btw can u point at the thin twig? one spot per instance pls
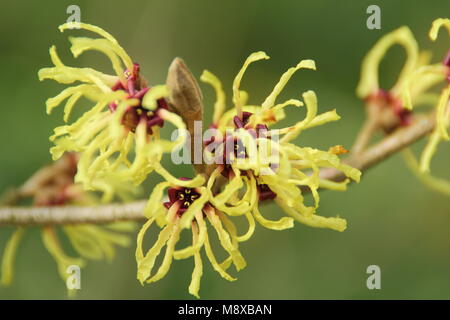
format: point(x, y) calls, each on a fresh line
point(71, 214)
point(391, 144)
point(364, 136)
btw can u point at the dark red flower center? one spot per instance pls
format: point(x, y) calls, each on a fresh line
point(182, 197)
point(231, 145)
point(136, 89)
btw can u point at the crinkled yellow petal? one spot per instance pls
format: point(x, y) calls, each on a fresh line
point(252, 194)
point(429, 150)
point(243, 96)
point(225, 241)
point(219, 268)
point(255, 56)
point(178, 122)
point(161, 216)
point(273, 114)
point(146, 263)
point(219, 105)
point(168, 256)
point(333, 185)
point(84, 121)
point(325, 159)
point(369, 70)
point(420, 80)
point(51, 103)
point(140, 239)
point(304, 64)
point(193, 183)
point(323, 118)
point(311, 105)
point(194, 286)
point(316, 221)
point(120, 51)
point(230, 189)
point(191, 250)
point(82, 44)
point(153, 95)
point(70, 104)
point(251, 228)
point(155, 197)
point(213, 177)
point(52, 245)
point(290, 102)
point(443, 114)
point(66, 75)
point(289, 192)
point(9, 256)
point(281, 224)
point(436, 26)
point(226, 264)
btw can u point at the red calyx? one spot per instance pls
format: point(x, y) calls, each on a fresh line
point(137, 114)
point(182, 197)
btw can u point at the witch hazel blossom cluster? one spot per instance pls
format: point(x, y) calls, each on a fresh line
point(248, 161)
point(243, 158)
point(246, 158)
point(240, 179)
point(119, 137)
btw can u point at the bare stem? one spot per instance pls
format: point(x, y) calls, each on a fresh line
point(71, 214)
point(391, 144)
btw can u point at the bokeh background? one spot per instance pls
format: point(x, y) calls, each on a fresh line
point(394, 221)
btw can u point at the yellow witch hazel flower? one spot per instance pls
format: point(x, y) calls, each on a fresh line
point(54, 186)
point(241, 174)
point(119, 136)
point(392, 99)
point(413, 85)
point(266, 163)
point(441, 72)
point(187, 207)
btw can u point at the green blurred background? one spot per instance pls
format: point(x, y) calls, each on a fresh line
point(394, 221)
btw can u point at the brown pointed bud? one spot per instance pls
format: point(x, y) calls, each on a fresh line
point(186, 100)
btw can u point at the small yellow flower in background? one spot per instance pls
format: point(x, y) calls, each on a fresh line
point(440, 71)
point(369, 82)
point(187, 207)
point(265, 163)
point(413, 87)
point(369, 87)
point(123, 123)
point(54, 186)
